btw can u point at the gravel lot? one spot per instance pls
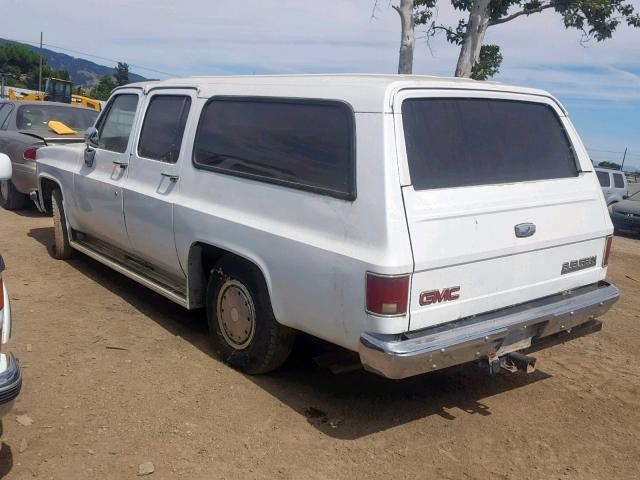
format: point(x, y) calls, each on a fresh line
point(115, 376)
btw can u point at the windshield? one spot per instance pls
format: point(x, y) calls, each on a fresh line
point(456, 142)
point(36, 117)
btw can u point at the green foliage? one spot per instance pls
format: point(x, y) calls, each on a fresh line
point(488, 63)
point(595, 19)
point(423, 11)
point(103, 88)
point(610, 165)
point(23, 66)
point(122, 74)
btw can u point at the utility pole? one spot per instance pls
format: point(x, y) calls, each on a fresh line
point(623, 157)
point(40, 75)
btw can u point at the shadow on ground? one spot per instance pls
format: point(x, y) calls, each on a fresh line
point(346, 406)
point(6, 456)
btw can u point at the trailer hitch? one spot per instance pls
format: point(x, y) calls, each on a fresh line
point(512, 362)
point(515, 362)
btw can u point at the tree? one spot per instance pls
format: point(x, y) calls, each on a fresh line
point(610, 165)
point(23, 66)
point(488, 63)
point(407, 36)
point(122, 74)
point(410, 11)
point(595, 19)
point(103, 88)
point(20, 62)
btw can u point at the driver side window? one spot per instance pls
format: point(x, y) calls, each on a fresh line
point(114, 127)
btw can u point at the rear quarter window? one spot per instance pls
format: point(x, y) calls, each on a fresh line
point(457, 142)
point(618, 180)
point(302, 144)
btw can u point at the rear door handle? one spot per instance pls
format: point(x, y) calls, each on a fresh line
point(121, 164)
point(170, 176)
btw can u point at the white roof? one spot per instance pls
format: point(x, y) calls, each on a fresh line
point(365, 92)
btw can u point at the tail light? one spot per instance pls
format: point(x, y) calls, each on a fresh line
point(387, 295)
point(30, 154)
point(607, 251)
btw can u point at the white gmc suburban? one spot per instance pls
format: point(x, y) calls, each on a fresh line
point(422, 222)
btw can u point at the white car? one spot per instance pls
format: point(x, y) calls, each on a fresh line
point(615, 187)
point(422, 222)
point(10, 374)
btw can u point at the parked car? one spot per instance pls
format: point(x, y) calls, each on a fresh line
point(626, 214)
point(614, 185)
point(10, 374)
point(421, 222)
point(24, 127)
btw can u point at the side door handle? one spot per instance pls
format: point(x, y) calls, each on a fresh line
point(122, 165)
point(171, 177)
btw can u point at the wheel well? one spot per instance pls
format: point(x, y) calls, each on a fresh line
point(46, 187)
point(202, 259)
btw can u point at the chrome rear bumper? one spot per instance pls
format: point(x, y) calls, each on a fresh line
point(10, 382)
point(485, 336)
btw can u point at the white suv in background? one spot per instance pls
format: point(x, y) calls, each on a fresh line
point(614, 185)
point(422, 222)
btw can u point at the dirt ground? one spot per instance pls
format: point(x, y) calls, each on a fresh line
point(115, 376)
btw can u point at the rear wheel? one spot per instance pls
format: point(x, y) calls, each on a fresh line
point(61, 248)
point(10, 198)
point(244, 331)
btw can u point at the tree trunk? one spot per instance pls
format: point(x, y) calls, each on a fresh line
point(408, 39)
point(479, 17)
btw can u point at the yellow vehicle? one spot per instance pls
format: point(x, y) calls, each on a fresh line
point(82, 101)
point(14, 95)
point(57, 90)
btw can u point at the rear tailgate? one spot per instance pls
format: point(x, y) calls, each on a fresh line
point(478, 171)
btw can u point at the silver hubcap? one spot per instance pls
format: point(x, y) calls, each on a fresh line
point(236, 314)
point(4, 189)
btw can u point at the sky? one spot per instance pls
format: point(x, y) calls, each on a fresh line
point(599, 83)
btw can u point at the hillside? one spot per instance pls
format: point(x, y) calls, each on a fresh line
point(82, 72)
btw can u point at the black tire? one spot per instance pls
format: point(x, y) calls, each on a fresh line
point(270, 344)
point(10, 198)
point(61, 248)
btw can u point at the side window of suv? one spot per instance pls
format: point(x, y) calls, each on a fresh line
point(114, 127)
point(605, 180)
point(163, 127)
point(618, 181)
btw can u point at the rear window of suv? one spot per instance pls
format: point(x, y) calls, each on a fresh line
point(457, 142)
point(303, 144)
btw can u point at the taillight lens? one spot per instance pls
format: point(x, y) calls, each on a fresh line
point(387, 295)
point(607, 250)
point(1, 299)
point(30, 154)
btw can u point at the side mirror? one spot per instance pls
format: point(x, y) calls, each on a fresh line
point(5, 167)
point(91, 137)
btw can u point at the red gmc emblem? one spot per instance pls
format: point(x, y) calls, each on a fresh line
point(437, 296)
